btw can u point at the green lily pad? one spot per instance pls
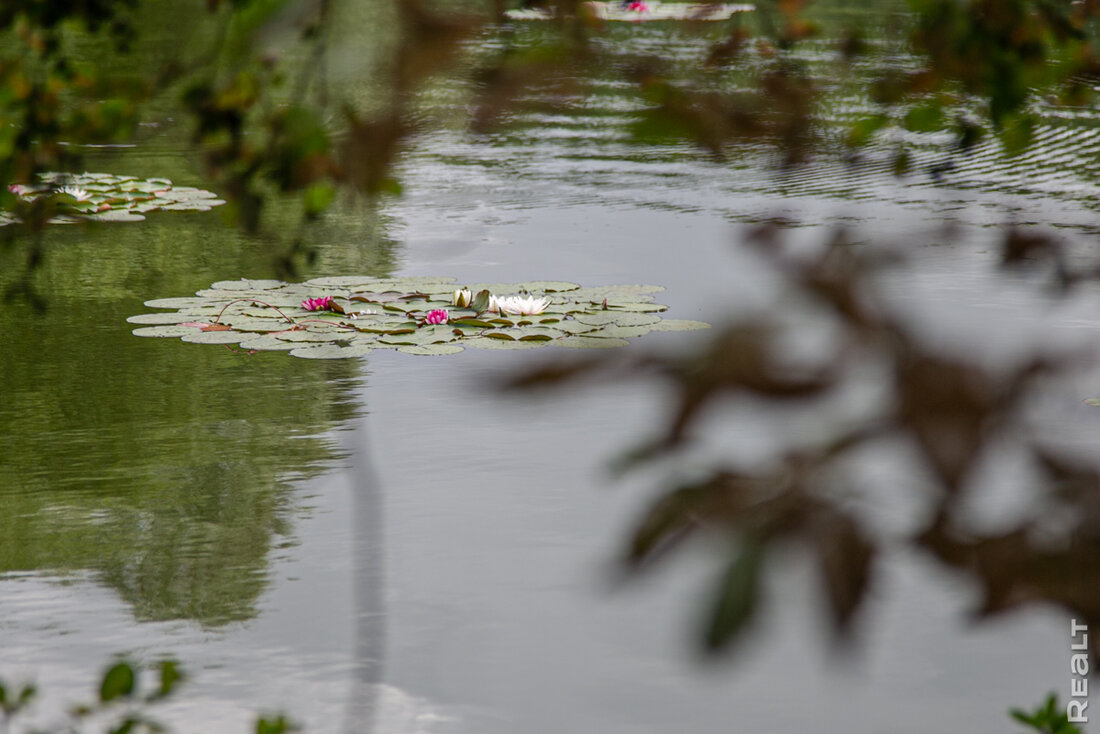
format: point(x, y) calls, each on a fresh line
point(266, 343)
point(625, 293)
point(197, 336)
point(332, 351)
point(161, 318)
point(622, 318)
point(430, 349)
point(247, 285)
point(679, 325)
point(639, 306)
point(311, 335)
point(613, 331)
point(575, 327)
point(178, 302)
point(590, 342)
point(172, 330)
point(481, 342)
point(253, 324)
point(546, 286)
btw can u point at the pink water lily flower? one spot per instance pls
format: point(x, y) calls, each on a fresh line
point(437, 316)
point(324, 303)
point(638, 7)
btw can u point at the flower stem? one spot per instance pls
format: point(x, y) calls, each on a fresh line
point(252, 301)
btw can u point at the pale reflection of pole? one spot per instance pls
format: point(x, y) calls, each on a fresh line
point(368, 582)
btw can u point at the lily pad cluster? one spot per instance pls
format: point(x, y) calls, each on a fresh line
point(641, 11)
point(105, 197)
point(349, 316)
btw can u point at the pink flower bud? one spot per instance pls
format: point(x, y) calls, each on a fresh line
point(324, 303)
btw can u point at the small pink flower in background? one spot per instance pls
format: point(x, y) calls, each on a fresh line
point(17, 189)
point(438, 316)
point(324, 303)
point(638, 7)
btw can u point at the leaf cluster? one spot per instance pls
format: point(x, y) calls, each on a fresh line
point(121, 706)
point(364, 314)
point(1048, 718)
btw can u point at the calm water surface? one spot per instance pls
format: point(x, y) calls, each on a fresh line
point(393, 534)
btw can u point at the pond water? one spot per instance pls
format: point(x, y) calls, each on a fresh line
point(389, 545)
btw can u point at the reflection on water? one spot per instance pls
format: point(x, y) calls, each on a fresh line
point(576, 149)
point(164, 471)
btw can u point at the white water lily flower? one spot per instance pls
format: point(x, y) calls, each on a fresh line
point(74, 191)
point(463, 298)
point(520, 305)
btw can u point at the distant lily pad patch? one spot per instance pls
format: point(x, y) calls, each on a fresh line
point(638, 11)
point(105, 197)
point(349, 316)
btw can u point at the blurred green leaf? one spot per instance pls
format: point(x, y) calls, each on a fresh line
point(275, 725)
point(125, 727)
point(117, 681)
point(925, 118)
point(170, 676)
point(317, 198)
point(1016, 133)
point(861, 131)
point(735, 598)
point(1048, 718)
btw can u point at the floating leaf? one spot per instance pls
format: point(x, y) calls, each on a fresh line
point(615, 292)
point(678, 325)
point(575, 327)
point(177, 302)
point(267, 342)
point(481, 342)
point(431, 349)
point(621, 318)
point(639, 306)
point(173, 330)
point(373, 297)
point(588, 342)
point(480, 301)
point(614, 331)
point(160, 318)
point(247, 285)
point(309, 335)
point(332, 351)
point(212, 337)
point(546, 286)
